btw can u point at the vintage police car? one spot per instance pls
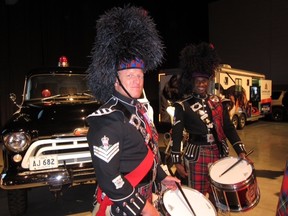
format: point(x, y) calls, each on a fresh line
point(44, 143)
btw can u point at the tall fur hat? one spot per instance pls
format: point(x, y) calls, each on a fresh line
point(199, 60)
point(122, 35)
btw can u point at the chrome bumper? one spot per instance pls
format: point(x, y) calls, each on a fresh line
point(52, 177)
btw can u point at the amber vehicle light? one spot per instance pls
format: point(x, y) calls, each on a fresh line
point(80, 131)
point(17, 158)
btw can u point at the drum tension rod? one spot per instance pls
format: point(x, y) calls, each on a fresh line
point(237, 162)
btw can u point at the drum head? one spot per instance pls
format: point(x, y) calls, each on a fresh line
point(237, 174)
point(176, 205)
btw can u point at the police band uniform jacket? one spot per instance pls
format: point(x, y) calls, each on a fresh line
point(185, 117)
point(116, 154)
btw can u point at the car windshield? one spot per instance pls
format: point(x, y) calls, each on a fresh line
point(51, 86)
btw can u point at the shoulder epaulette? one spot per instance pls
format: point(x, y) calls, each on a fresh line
point(181, 102)
point(102, 111)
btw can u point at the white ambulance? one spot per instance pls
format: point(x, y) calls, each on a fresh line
point(246, 93)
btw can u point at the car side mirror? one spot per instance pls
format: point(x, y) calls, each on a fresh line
point(13, 97)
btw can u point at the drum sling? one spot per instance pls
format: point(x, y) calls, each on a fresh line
point(215, 128)
point(217, 112)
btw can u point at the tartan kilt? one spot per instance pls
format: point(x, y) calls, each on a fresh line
point(282, 206)
point(198, 171)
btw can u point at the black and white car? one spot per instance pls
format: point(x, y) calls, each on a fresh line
point(44, 142)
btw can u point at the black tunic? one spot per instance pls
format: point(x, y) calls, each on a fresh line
point(186, 118)
point(125, 150)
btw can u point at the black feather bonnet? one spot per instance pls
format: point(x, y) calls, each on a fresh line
point(199, 60)
point(122, 35)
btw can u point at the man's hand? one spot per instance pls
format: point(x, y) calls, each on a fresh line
point(181, 170)
point(243, 156)
point(170, 182)
point(149, 210)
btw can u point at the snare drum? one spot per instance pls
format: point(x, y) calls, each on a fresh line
point(237, 189)
point(173, 203)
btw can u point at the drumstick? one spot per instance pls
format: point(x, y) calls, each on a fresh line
point(237, 162)
point(182, 192)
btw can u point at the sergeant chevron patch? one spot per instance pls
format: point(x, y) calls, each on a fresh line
point(106, 152)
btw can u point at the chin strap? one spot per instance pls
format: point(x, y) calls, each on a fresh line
point(120, 83)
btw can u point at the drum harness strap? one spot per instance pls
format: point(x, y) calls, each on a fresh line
point(217, 113)
point(135, 176)
point(215, 128)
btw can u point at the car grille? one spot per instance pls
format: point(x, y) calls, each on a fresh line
point(69, 151)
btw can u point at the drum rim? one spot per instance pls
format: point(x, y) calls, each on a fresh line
point(234, 186)
point(197, 192)
point(226, 184)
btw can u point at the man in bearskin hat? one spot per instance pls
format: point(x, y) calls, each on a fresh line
point(122, 138)
point(203, 117)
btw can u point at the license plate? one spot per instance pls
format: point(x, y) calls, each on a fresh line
point(43, 162)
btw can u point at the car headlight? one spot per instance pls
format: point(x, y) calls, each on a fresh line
point(17, 141)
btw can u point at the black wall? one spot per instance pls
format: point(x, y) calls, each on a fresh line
point(36, 33)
